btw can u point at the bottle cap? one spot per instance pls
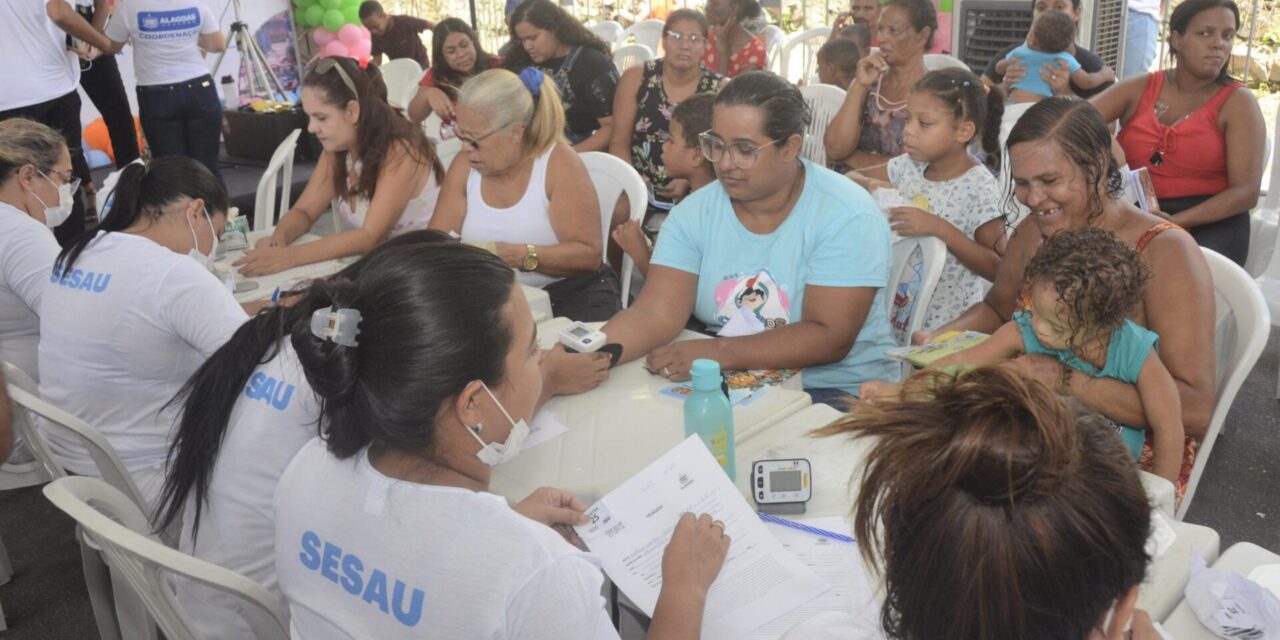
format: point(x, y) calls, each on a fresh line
point(706, 375)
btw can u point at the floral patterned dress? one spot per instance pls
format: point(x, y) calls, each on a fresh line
point(653, 120)
point(883, 125)
point(752, 54)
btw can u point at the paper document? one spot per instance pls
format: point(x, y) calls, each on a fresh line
point(631, 526)
point(837, 563)
point(543, 426)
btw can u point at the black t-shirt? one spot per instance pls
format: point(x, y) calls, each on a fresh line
point(1088, 60)
point(401, 40)
point(588, 96)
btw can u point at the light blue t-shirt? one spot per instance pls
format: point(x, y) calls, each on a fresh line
point(834, 237)
point(1032, 82)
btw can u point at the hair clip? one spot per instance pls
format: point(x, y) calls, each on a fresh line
point(336, 325)
point(532, 79)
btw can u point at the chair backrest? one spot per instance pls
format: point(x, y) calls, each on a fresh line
point(1242, 324)
point(824, 101)
point(799, 53)
point(401, 77)
point(612, 177)
point(447, 150)
point(773, 36)
point(913, 277)
point(120, 529)
point(15, 475)
point(630, 55)
point(645, 32)
point(935, 61)
point(1264, 237)
point(70, 427)
point(279, 174)
point(609, 31)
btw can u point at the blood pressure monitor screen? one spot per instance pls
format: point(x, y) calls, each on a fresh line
point(579, 332)
point(784, 480)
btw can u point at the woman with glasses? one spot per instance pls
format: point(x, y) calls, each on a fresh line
point(546, 36)
point(35, 172)
point(378, 169)
point(458, 55)
point(868, 129)
point(648, 93)
point(735, 50)
point(177, 100)
point(523, 193)
point(785, 260)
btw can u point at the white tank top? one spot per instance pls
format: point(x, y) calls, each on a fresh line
point(417, 212)
point(528, 222)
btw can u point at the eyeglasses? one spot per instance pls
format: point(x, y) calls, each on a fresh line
point(325, 65)
point(692, 39)
point(743, 154)
point(468, 140)
point(65, 176)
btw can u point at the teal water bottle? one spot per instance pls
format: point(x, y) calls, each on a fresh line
point(707, 413)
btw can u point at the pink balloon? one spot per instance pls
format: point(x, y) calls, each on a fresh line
point(322, 36)
point(336, 48)
point(350, 34)
point(368, 35)
point(361, 49)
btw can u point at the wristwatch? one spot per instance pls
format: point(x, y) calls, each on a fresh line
point(530, 258)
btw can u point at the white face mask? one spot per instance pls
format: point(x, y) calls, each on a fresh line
point(496, 453)
point(54, 216)
point(203, 259)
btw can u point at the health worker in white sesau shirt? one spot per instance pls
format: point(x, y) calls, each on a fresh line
point(132, 309)
point(385, 527)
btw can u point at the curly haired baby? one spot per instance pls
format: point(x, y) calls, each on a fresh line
point(1083, 286)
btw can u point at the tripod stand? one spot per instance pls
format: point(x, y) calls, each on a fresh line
point(263, 82)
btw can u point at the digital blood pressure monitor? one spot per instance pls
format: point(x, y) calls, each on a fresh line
point(782, 486)
point(582, 338)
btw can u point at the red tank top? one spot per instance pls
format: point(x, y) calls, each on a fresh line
point(1186, 159)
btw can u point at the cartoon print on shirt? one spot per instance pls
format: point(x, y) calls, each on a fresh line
point(753, 300)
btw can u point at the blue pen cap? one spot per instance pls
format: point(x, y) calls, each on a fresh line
point(706, 375)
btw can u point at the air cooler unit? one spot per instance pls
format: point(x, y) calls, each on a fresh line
point(983, 27)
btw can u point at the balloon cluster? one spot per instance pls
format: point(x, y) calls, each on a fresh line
point(337, 29)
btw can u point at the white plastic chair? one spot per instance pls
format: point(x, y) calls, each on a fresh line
point(935, 61)
point(773, 36)
point(401, 77)
point(609, 31)
point(824, 101)
point(913, 277)
point(799, 53)
point(279, 174)
point(630, 55)
point(612, 177)
point(1241, 327)
point(645, 32)
point(114, 522)
point(20, 474)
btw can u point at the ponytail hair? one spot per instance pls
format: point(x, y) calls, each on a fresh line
point(210, 395)
point(143, 191)
point(969, 100)
point(530, 98)
point(991, 493)
point(340, 81)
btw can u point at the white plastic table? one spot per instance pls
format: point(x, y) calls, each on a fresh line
point(835, 459)
point(1242, 558)
point(618, 428)
point(539, 301)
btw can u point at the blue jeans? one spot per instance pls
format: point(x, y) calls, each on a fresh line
point(1141, 32)
point(183, 119)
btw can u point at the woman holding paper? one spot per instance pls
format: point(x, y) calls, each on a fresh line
point(385, 527)
point(785, 259)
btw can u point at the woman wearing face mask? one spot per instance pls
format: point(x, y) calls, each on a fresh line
point(384, 525)
point(458, 56)
point(1023, 494)
point(378, 171)
point(35, 196)
point(553, 41)
point(132, 309)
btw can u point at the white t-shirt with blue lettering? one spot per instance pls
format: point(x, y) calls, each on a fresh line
point(275, 415)
point(835, 236)
point(119, 335)
point(27, 252)
point(164, 36)
point(361, 555)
